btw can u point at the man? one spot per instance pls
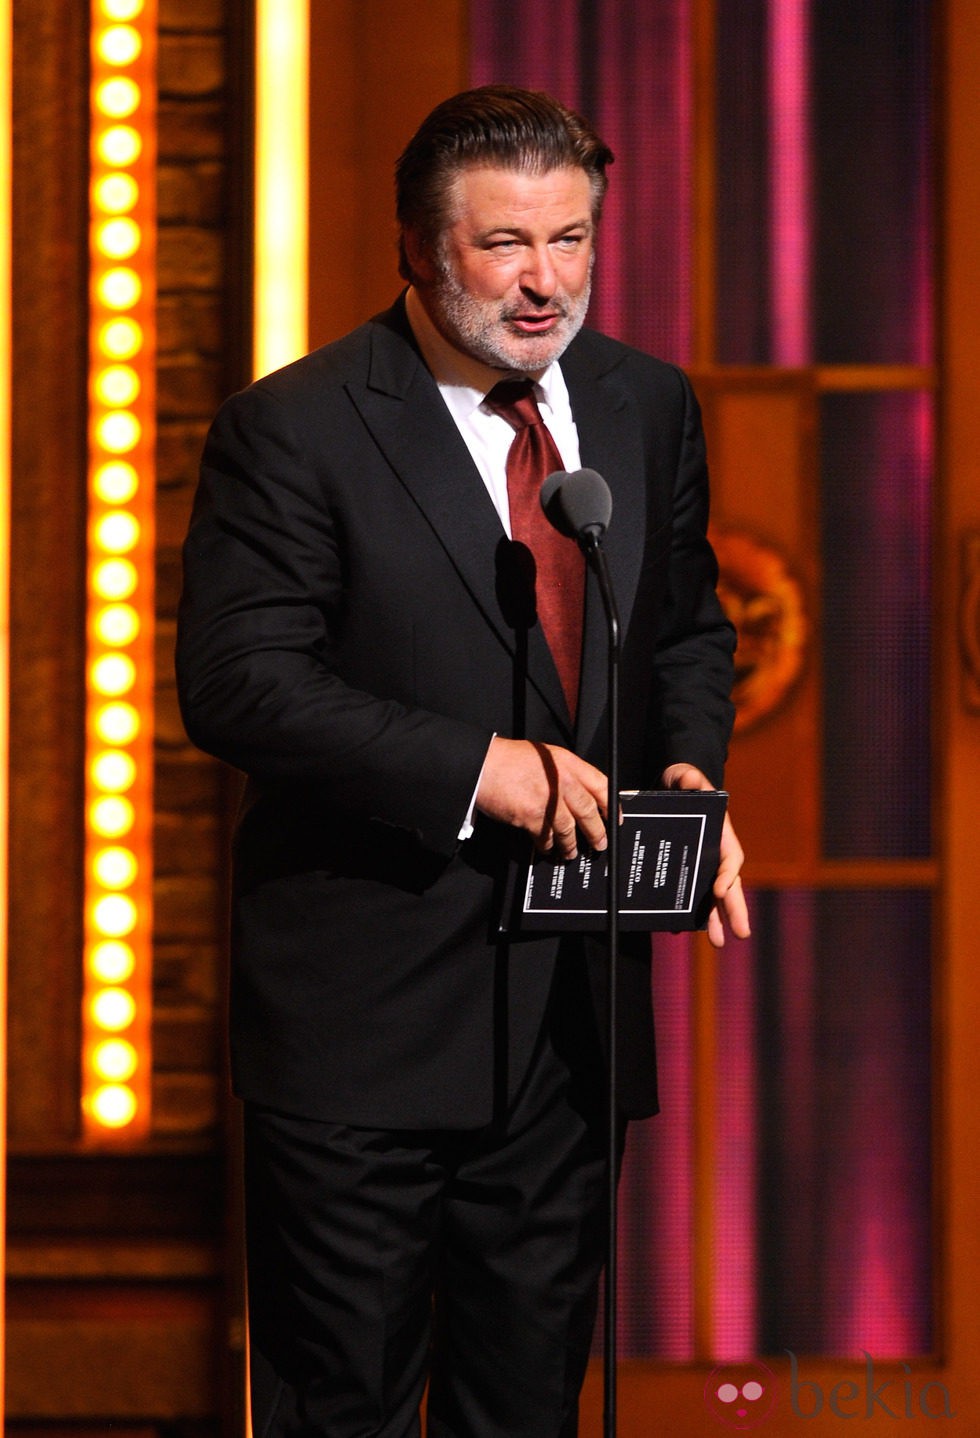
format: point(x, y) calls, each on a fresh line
point(361, 635)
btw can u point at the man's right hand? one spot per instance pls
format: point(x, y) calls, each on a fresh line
point(547, 790)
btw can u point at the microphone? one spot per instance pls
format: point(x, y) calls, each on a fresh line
point(579, 505)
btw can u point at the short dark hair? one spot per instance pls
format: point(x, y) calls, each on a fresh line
point(492, 125)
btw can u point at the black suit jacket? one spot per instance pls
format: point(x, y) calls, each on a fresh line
point(349, 638)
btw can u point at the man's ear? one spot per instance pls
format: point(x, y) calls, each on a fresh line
point(419, 258)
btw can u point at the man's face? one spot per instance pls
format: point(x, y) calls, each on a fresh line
point(511, 278)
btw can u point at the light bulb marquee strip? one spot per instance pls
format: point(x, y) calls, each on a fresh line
point(280, 256)
point(119, 705)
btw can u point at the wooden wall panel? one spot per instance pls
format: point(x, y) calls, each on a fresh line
point(200, 348)
point(113, 1351)
point(959, 993)
point(377, 67)
point(761, 434)
point(47, 567)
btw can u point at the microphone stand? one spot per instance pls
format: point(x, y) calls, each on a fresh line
point(591, 543)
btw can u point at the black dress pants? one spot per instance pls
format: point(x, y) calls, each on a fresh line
point(379, 1259)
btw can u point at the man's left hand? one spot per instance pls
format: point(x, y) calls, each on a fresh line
point(730, 906)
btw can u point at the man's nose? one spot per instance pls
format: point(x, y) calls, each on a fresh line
point(539, 276)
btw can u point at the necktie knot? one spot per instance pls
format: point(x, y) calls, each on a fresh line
point(514, 401)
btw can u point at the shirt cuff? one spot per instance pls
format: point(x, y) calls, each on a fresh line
point(466, 828)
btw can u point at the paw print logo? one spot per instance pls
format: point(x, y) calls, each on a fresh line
point(741, 1395)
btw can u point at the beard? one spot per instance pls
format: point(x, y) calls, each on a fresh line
point(482, 328)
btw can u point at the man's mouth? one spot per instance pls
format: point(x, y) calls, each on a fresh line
point(535, 324)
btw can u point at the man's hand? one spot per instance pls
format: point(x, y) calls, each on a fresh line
point(547, 790)
point(730, 900)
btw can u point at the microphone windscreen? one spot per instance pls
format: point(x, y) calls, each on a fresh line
point(577, 503)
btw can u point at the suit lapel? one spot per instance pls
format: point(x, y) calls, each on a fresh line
point(401, 406)
point(608, 425)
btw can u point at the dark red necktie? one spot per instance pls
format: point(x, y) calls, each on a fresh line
point(559, 563)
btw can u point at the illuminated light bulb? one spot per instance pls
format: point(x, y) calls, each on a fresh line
point(121, 339)
point(119, 145)
point(119, 45)
point(117, 385)
point(115, 194)
point(118, 97)
point(113, 1010)
point(118, 432)
point(115, 579)
point(116, 482)
point(117, 532)
point(117, 723)
point(119, 288)
point(115, 868)
point(118, 238)
point(111, 817)
point(112, 961)
point(121, 9)
point(113, 674)
point(115, 1060)
point(113, 771)
point(117, 624)
point(113, 1105)
point(115, 916)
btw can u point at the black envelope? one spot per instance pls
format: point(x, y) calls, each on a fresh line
point(668, 857)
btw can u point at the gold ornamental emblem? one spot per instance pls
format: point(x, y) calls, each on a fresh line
point(766, 603)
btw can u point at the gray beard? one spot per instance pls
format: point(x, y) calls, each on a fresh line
point(474, 326)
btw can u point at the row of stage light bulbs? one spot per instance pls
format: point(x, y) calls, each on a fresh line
point(118, 590)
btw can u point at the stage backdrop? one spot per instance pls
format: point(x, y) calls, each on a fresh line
point(750, 236)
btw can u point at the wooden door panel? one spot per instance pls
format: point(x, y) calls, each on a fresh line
point(761, 432)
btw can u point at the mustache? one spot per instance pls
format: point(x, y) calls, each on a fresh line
point(560, 308)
